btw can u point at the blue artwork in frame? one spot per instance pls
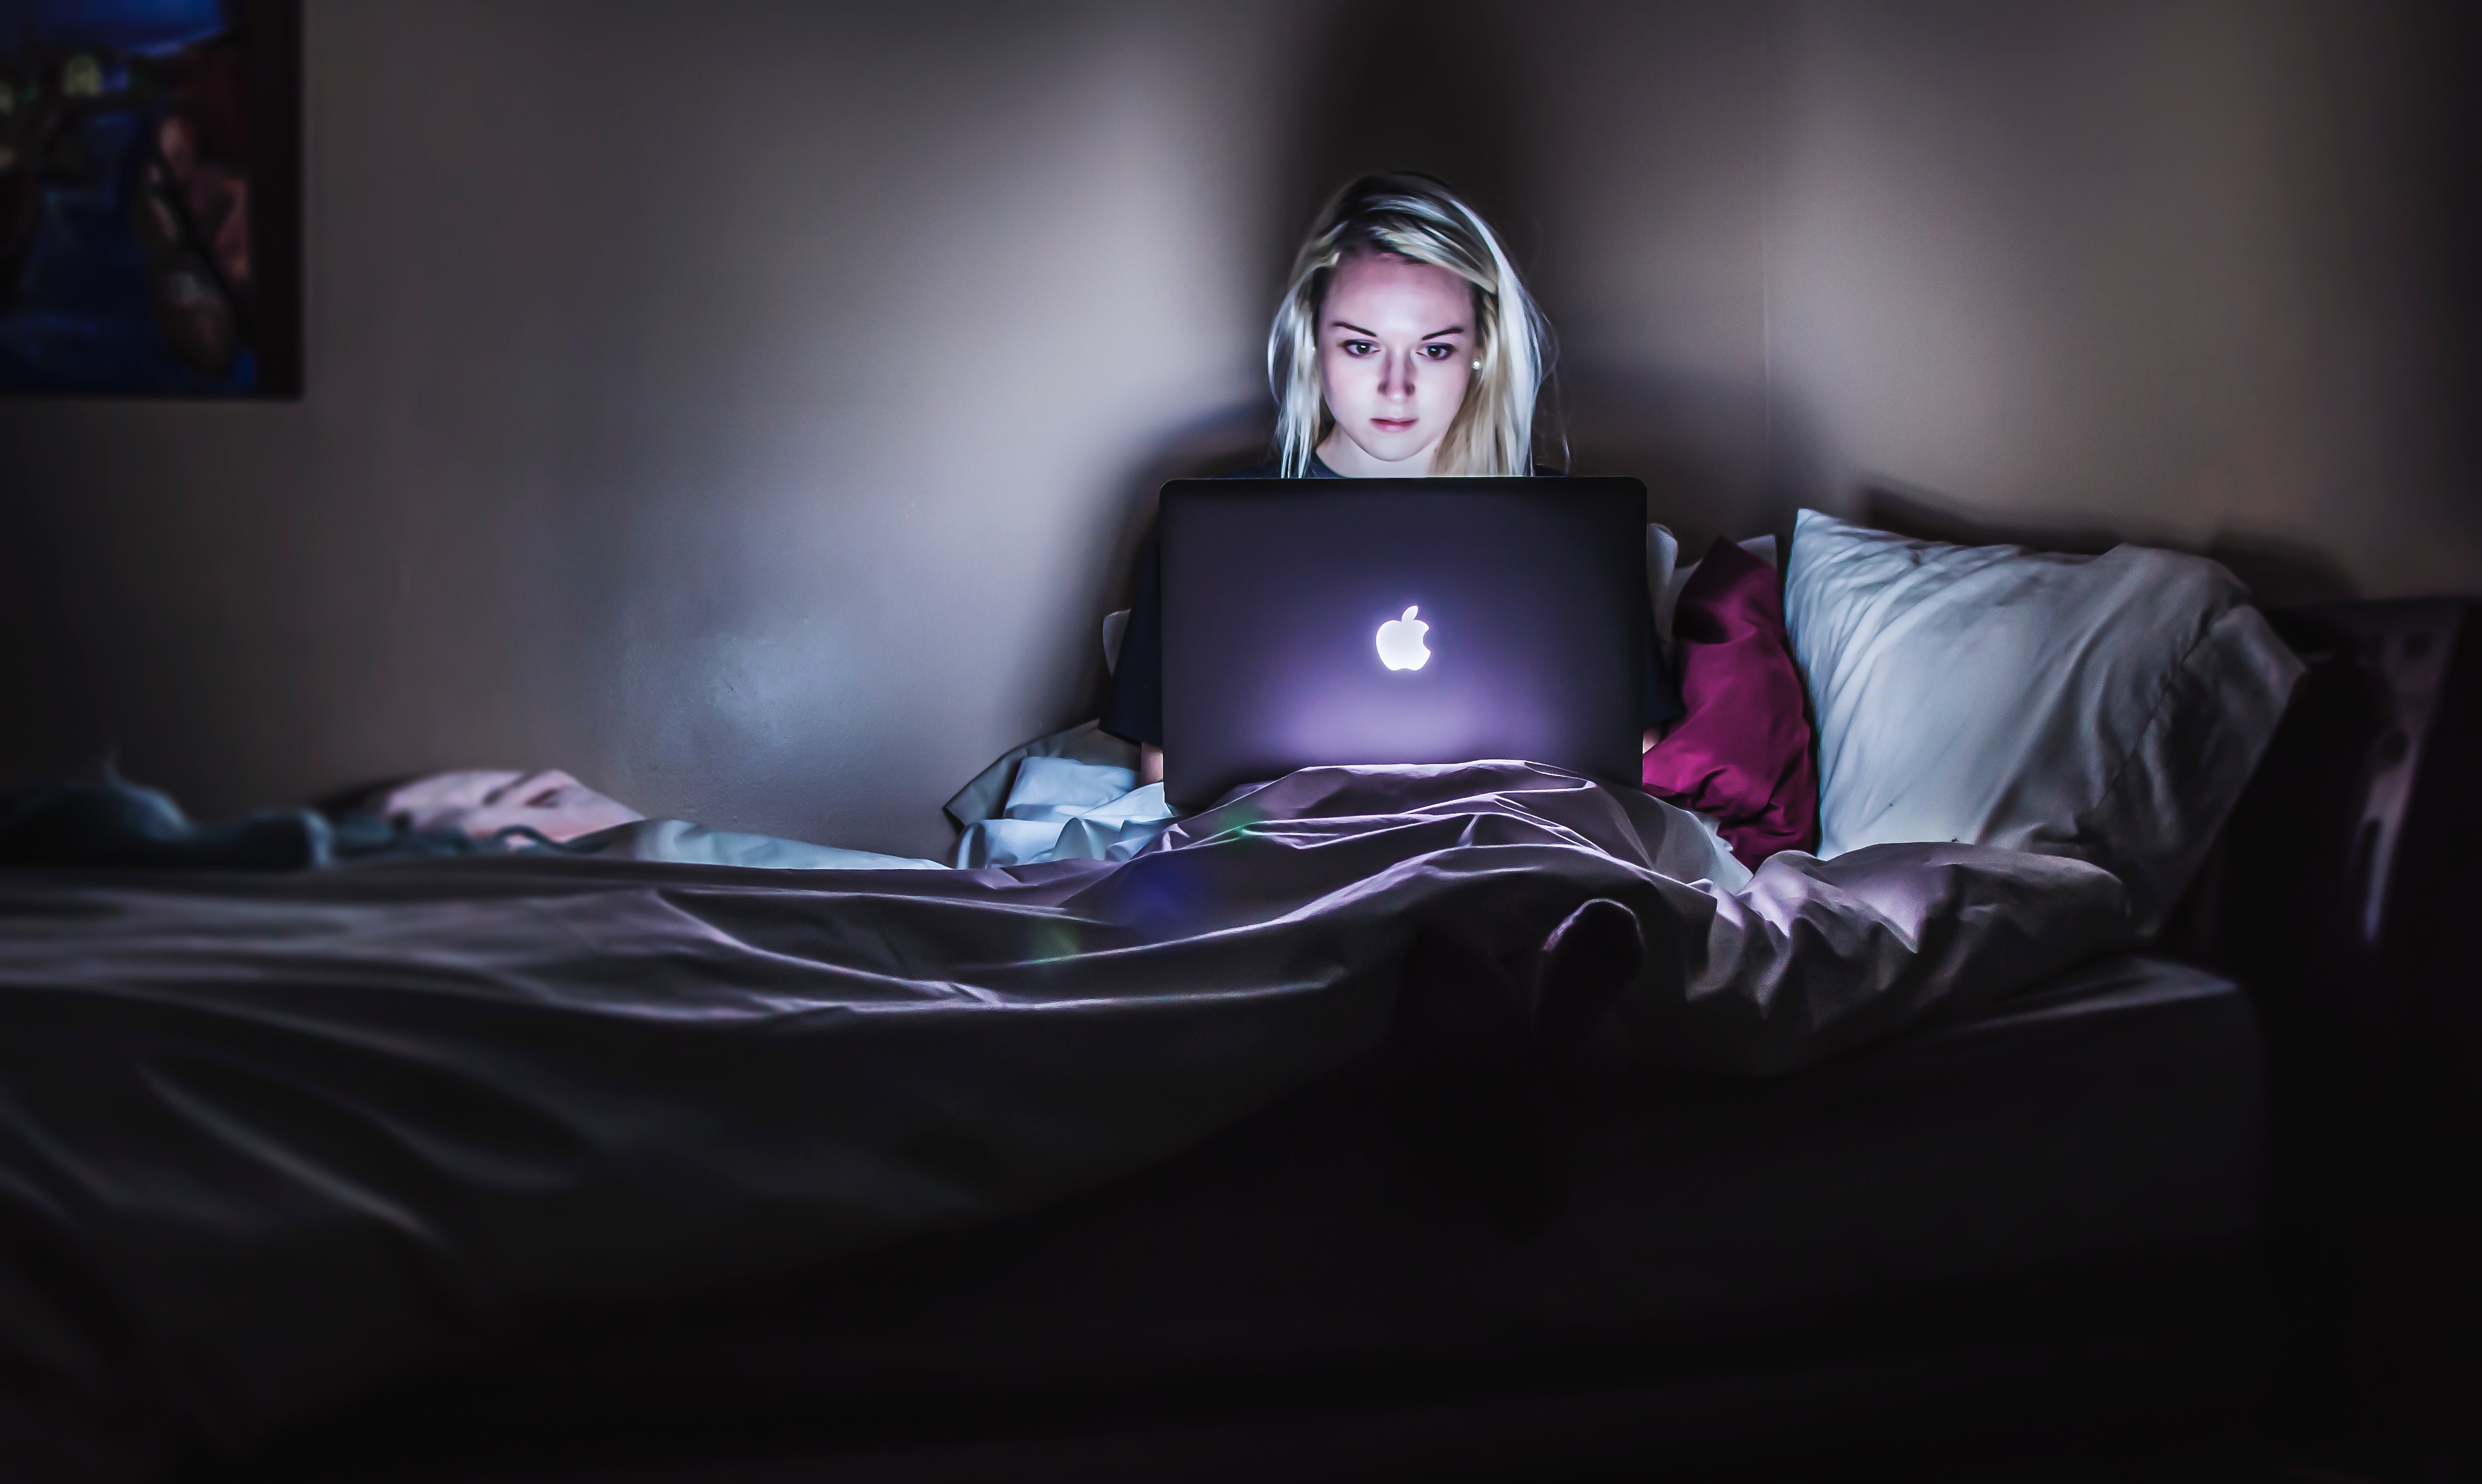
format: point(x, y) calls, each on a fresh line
point(150, 197)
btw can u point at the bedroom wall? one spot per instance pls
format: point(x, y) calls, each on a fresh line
point(750, 406)
point(742, 405)
point(2197, 273)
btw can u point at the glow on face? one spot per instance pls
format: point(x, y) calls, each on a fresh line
point(1396, 341)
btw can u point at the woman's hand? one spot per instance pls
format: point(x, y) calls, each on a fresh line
point(1149, 764)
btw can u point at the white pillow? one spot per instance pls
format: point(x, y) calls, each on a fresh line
point(2106, 708)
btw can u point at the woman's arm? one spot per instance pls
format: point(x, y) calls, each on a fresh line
point(1134, 711)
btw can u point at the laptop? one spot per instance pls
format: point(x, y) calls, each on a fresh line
point(1376, 621)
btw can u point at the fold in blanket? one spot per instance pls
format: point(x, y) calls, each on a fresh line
point(266, 1140)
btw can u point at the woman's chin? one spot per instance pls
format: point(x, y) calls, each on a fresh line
point(1405, 449)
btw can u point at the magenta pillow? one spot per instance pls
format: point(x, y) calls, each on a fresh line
point(1741, 752)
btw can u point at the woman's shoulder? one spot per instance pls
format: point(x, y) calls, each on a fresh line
point(1269, 470)
point(1274, 469)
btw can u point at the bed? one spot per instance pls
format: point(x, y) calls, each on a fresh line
point(460, 1166)
point(1271, 1304)
point(1777, 1262)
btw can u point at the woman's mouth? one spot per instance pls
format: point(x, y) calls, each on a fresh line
point(1393, 424)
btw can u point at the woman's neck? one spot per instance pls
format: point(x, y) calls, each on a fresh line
point(1352, 461)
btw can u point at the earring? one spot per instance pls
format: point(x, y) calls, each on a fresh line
point(1477, 365)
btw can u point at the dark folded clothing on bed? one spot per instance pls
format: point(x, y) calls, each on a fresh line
point(116, 822)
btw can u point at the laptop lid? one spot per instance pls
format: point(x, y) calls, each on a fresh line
point(1342, 621)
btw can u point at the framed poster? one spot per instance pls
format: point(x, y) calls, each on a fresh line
point(150, 222)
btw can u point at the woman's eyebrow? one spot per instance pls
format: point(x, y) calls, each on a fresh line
point(1453, 329)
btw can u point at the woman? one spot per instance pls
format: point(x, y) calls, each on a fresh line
point(1406, 347)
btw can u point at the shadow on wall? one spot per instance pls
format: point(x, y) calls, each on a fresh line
point(1451, 89)
point(67, 732)
point(1403, 84)
point(2279, 573)
point(1701, 444)
point(1427, 88)
point(1215, 443)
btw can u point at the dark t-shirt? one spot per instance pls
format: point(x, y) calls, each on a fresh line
point(1135, 711)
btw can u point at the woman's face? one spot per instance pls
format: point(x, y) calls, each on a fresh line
point(1396, 341)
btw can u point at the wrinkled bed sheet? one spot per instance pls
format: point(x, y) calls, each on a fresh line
point(266, 1140)
point(1071, 795)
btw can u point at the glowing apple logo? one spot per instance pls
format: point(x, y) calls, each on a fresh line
point(1400, 641)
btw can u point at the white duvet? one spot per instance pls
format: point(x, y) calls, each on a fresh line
point(267, 1140)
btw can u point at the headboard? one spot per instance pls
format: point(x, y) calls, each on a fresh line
point(2346, 872)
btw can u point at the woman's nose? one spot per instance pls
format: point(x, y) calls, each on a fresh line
point(1396, 377)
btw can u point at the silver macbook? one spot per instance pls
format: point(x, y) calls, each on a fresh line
point(1326, 621)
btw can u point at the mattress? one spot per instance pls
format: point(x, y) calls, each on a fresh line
point(2111, 1117)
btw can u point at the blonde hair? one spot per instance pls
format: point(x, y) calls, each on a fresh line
point(1417, 218)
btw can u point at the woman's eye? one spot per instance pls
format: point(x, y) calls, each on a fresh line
point(1436, 352)
point(1359, 348)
